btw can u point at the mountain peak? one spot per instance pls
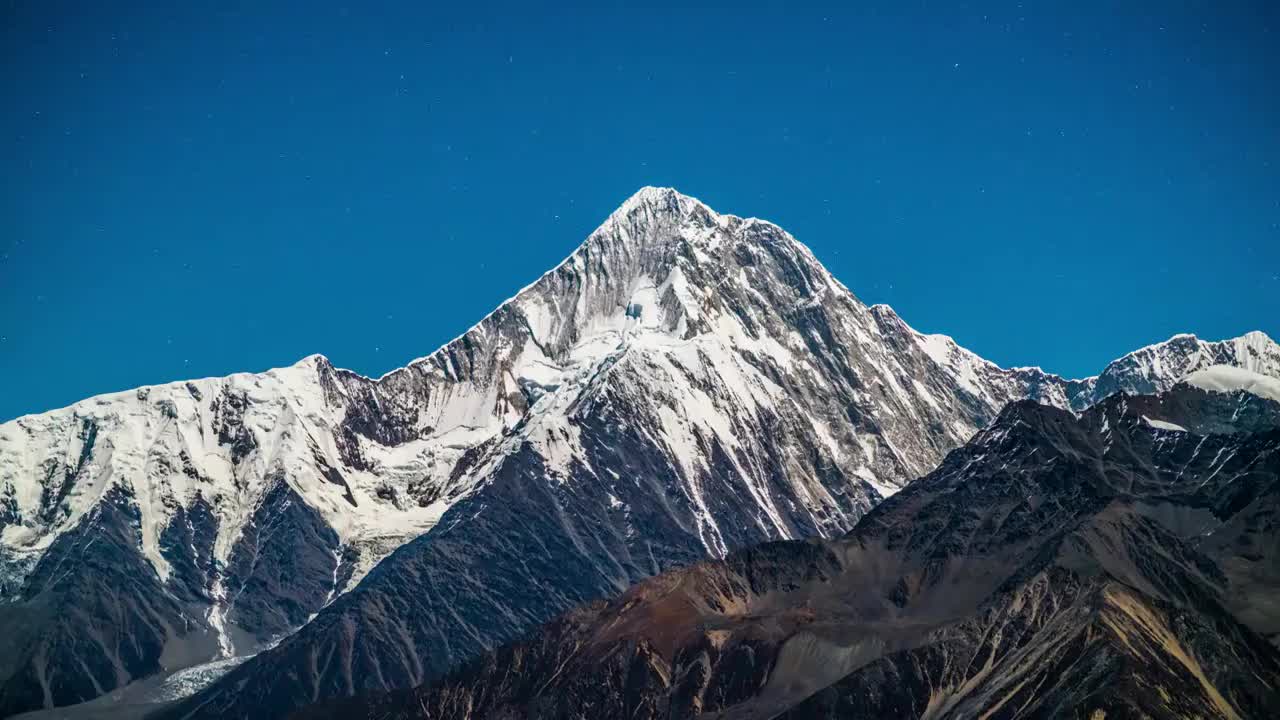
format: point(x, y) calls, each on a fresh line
point(314, 360)
point(651, 206)
point(655, 217)
point(651, 193)
point(1157, 367)
point(1256, 339)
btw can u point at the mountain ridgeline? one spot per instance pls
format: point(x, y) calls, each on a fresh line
point(684, 385)
point(1104, 565)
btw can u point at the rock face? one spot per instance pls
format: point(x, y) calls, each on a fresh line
point(1054, 566)
point(684, 384)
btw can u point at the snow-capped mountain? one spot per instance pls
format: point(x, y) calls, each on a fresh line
point(1121, 563)
point(685, 383)
point(1156, 368)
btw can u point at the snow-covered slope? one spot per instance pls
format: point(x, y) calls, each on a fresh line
point(1158, 367)
point(1056, 566)
point(225, 441)
point(1226, 378)
point(683, 384)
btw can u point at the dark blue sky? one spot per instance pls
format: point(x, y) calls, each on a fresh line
point(195, 191)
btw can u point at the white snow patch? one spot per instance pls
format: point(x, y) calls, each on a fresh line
point(885, 489)
point(1163, 425)
point(1227, 378)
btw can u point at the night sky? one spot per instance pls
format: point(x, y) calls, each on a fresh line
point(196, 191)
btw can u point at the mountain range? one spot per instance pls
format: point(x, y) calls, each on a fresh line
point(684, 385)
point(1122, 563)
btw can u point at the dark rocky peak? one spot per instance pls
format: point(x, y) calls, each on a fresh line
point(888, 319)
point(1185, 408)
point(1117, 450)
point(1029, 424)
point(1185, 443)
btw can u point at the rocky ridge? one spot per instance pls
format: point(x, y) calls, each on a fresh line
point(1053, 566)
